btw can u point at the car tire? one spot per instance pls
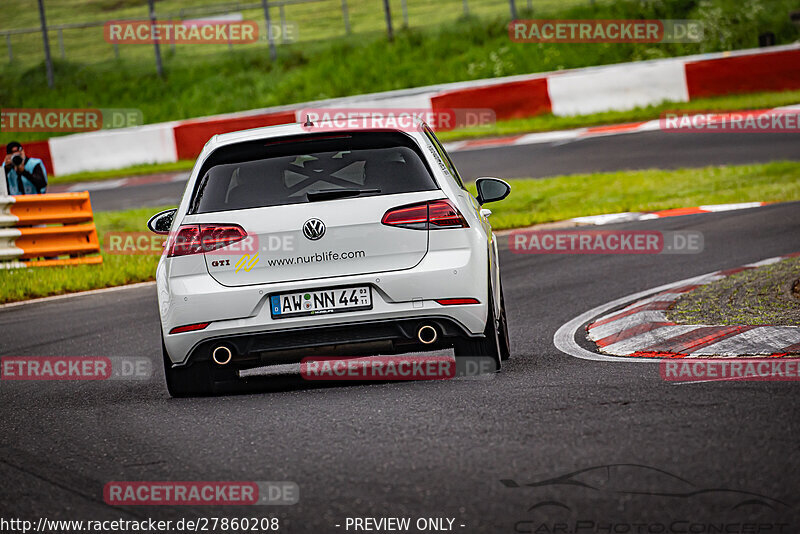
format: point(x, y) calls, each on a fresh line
point(191, 381)
point(487, 346)
point(505, 340)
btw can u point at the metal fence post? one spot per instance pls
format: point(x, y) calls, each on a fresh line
point(404, 4)
point(466, 8)
point(61, 43)
point(513, 5)
point(10, 51)
point(116, 50)
point(48, 60)
point(283, 25)
point(346, 16)
point(530, 6)
point(387, 10)
point(159, 67)
point(273, 54)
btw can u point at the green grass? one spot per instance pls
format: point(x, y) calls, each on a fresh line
point(553, 199)
point(116, 270)
point(549, 122)
point(319, 20)
point(768, 295)
point(470, 48)
point(531, 201)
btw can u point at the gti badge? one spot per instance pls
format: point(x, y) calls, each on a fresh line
point(314, 229)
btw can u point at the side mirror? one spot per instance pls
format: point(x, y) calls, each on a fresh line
point(160, 223)
point(491, 190)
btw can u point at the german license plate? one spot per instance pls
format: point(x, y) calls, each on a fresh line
point(320, 301)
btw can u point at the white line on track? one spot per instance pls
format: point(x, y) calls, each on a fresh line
point(564, 338)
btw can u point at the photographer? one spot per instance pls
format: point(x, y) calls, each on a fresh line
point(24, 175)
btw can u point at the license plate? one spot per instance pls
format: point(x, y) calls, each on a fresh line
point(321, 301)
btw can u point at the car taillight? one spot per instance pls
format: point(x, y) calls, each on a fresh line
point(457, 302)
point(433, 215)
point(200, 238)
point(188, 328)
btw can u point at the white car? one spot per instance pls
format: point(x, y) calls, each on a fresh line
point(302, 240)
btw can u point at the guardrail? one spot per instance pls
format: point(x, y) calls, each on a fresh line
point(36, 230)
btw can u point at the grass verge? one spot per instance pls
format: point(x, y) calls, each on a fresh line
point(116, 270)
point(531, 201)
point(534, 201)
point(769, 295)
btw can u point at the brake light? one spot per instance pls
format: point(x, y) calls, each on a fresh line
point(433, 215)
point(456, 302)
point(188, 328)
point(200, 238)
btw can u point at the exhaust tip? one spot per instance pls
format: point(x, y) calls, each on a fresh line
point(222, 355)
point(427, 334)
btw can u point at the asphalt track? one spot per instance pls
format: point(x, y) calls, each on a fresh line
point(707, 453)
point(643, 150)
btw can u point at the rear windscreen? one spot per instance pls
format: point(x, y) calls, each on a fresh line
point(262, 173)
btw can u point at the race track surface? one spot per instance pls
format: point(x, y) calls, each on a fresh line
point(435, 449)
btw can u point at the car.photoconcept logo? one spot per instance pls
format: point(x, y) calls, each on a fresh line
point(313, 229)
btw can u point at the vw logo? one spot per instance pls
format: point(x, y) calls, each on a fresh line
point(314, 229)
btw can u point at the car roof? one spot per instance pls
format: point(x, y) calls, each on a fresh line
point(283, 130)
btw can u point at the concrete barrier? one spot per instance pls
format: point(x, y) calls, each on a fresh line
point(617, 87)
point(191, 136)
point(770, 71)
point(113, 149)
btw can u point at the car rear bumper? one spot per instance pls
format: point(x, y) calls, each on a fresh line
point(241, 315)
point(351, 339)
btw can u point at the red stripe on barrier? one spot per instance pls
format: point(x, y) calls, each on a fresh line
point(771, 71)
point(678, 212)
point(622, 335)
point(658, 305)
point(615, 128)
point(491, 142)
point(510, 100)
point(191, 137)
point(696, 339)
point(41, 150)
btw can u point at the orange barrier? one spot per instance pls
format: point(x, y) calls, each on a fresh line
point(64, 208)
point(48, 226)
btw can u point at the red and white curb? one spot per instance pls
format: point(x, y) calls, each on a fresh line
point(611, 218)
point(640, 331)
point(562, 136)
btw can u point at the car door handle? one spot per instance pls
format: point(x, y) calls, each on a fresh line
point(485, 212)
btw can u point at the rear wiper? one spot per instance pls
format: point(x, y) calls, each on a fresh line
point(325, 194)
